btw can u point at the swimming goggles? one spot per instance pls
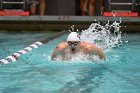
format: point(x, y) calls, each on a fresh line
point(74, 43)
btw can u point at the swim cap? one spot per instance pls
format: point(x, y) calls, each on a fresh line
point(73, 36)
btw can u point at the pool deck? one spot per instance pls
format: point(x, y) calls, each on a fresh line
point(57, 23)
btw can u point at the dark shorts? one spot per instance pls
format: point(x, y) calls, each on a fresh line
point(33, 1)
point(36, 1)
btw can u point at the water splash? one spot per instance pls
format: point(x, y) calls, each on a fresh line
point(103, 36)
point(78, 58)
point(72, 29)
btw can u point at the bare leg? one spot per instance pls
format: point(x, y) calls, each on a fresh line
point(42, 7)
point(32, 8)
point(102, 6)
point(83, 7)
point(91, 8)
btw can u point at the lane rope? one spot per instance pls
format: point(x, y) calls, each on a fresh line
point(15, 56)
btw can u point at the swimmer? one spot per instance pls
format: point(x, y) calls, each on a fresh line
point(73, 45)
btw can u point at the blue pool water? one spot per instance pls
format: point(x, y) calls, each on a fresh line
point(35, 73)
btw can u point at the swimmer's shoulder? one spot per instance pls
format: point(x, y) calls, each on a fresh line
point(88, 46)
point(62, 45)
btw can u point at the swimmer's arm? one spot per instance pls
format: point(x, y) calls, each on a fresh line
point(101, 54)
point(57, 50)
point(54, 54)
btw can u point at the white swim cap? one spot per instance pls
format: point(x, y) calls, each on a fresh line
point(73, 36)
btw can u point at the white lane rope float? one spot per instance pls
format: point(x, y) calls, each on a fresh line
point(15, 56)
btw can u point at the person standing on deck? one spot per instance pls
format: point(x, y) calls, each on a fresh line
point(33, 7)
point(87, 7)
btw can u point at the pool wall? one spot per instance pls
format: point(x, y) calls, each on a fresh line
point(59, 23)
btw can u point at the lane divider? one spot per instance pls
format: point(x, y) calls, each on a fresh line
point(15, 56)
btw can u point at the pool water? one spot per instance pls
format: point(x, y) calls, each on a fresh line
point(13, 41)
point(35, 73)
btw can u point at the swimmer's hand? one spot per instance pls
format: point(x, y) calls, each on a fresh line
point(101, 54)
point(53, 56)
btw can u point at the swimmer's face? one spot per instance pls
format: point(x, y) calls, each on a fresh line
point(73, 45)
